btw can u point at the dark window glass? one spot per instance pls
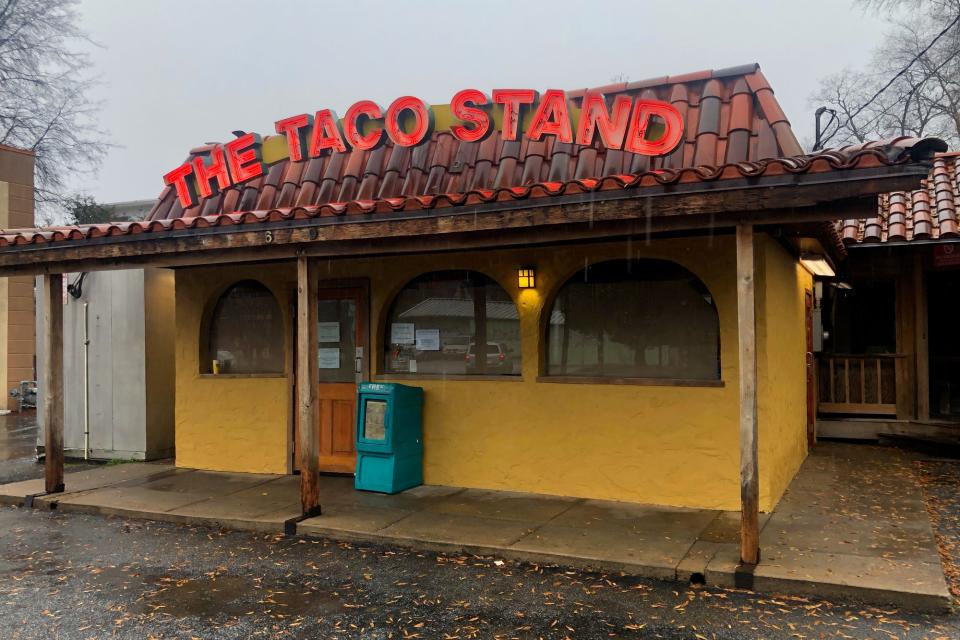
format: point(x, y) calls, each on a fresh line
point(634, 319)
point(453, 323)
point(847, 331)
point(246, 331)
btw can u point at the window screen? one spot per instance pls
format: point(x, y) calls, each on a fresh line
point(634, 319)
point(246, 331)
point(453, 323)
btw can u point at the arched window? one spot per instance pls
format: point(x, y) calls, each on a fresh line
point(453, 323)
point(246, 332)
point(634, 319)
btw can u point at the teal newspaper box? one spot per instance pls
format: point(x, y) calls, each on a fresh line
point(389, 437)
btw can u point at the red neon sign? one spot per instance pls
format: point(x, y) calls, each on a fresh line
point(326, 134)
point(409, 121)
point(423, 121)
point(295, 128)
point(471, 107)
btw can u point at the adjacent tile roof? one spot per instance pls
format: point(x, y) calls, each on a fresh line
point(931, 212)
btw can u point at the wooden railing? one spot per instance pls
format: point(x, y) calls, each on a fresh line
point(858, 384)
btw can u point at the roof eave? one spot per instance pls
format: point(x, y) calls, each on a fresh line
point(703, 205)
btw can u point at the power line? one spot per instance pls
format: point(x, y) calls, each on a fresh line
point(914, 89)
point(819, 144)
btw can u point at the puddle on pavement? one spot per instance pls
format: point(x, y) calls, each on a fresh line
point(18, 435)
point(213, 596)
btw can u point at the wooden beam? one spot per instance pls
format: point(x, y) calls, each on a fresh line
point(922, 348)
point(52, 384)
point(308, 404)
point(747, 340)
point(163, 252)
point(785, 204)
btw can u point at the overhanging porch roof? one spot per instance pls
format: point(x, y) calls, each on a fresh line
point(828, 186)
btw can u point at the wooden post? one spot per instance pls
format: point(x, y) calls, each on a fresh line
point(904, 377)
point(746, 331)
point(52, 388)
point(922, 353)
point(308, 404)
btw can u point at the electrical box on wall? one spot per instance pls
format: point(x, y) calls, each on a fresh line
point(817, 317)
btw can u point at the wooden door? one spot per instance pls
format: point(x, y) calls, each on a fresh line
point(811, 372)
point(343, 357)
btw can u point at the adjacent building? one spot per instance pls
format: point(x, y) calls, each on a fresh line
point(117, 359)
point(890, 364)
point(17, 338)
point(117, 364)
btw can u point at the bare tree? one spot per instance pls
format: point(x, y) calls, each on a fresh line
point(44, 94)
point(912, 86)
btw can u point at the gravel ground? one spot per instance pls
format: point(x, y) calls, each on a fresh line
point(72, 576)
point(76, 576)
point(941, 490)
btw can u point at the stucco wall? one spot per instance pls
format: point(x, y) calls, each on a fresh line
point(159, 332)
point(655, 444)
point(781, 368)
point(228, 423)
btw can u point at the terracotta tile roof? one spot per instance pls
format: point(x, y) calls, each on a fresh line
point(731, 116)
point(877, 154)
point(931, 212)
point(735, 129)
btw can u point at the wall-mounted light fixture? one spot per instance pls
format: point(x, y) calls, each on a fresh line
point(527, 277)
point(817, 264)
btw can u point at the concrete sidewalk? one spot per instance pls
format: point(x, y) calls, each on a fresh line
point(852, 525)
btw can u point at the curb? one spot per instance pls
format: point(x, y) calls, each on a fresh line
point(664, 572)
point(716, 571)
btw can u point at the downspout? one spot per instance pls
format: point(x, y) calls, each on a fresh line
point(86, 381)
point(76, 290)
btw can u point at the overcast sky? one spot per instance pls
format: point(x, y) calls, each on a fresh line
point(179, 73)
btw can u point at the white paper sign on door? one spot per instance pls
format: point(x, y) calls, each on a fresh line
point(402, 333)
point(329, 358)
point(328, 332)
point(428, 340)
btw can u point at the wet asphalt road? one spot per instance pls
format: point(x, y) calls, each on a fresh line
point(75, 576)
point(71, 576)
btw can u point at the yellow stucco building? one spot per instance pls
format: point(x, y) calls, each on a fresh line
point(623, 315)
point(641, 442)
